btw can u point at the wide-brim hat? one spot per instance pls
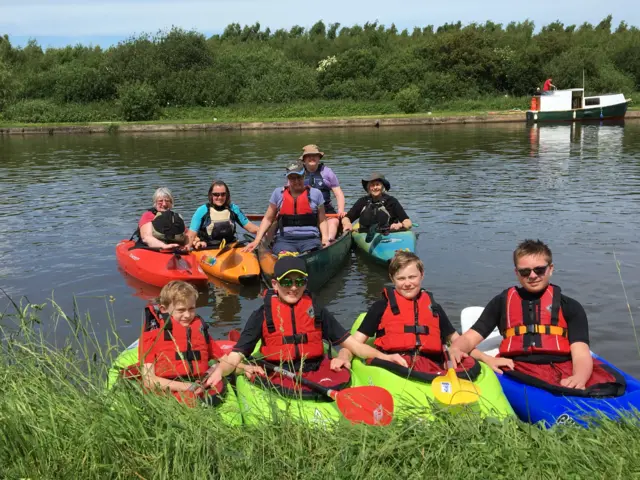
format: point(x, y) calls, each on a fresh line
point(296, 167)
point(289, 264)
point(311, 150)
point(375, 176)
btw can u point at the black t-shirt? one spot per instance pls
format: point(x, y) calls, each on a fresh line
point(332, 331)
point(574, 314)
point(396, 212)
point(371, 321)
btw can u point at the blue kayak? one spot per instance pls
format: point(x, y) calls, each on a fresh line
point(534, 405)
point(382, 248)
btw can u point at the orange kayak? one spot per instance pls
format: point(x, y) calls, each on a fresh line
point(157, 268)
point(229, 264)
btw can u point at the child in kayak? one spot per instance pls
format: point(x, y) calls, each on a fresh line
point(407, 321)
point(176, 355)
point(545, 333)
point(293, 330)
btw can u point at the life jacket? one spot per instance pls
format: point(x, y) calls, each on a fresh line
point(296, 212)
point(290, 332)
point(533, 326)
point(179, 351)
point(168, 226)
point(375, 213)
point(409, 325)
point(315, 180)
point(217, 225)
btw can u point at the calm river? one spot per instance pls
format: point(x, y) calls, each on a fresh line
point(475, 191)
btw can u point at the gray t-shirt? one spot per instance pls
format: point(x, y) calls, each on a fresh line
point(315, 199)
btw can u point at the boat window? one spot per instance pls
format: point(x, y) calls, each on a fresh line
point(591, 101)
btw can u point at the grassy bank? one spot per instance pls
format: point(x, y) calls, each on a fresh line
point(45, 112)
point(57, 422)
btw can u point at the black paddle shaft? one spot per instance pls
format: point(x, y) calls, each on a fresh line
point(308, 383)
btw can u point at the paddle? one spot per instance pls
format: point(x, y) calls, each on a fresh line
point(176, 262)
point(234, 335)
point(367, 404)
point(451, 390)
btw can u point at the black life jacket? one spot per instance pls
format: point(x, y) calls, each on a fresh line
point(375, 212)
point(315, 180)
point(168, 226)
point(218, 225)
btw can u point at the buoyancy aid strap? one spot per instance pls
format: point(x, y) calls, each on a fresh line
point(268, 314)
point(555, 306)
point(432, 302)
point(536, 329)
point(393, 302)
point(168, 327)
point(416, 329)
point(294, 339)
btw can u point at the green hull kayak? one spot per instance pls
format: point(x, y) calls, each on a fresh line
point(414, 397)
point(229, 410)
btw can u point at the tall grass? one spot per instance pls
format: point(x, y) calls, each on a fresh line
point(57, 421)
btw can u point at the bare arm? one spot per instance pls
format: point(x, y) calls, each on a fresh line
point(151, 380)
point(226, 365)
point(337, 191)
point(407, 224)
point(582, 366)
point(267, 220)
point(363, 350)
point(251, 228)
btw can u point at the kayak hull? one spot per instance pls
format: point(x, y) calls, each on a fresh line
point(322, 264)
point(534, 405)
point(151, 267)
point(232, 265)
point(229, 410)
point(413, 397)
point(385, 246)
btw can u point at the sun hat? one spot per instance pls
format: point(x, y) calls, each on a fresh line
point(375, 176)
point(311, 150)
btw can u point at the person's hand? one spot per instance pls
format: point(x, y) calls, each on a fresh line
point(213, 379)
point(394, 227)
point(251, 371)
point(498, 364)
point(170, 246)
point(396, 358)
point(199, 244)
point(573, 382)
point(456, 355)
point(251, 246)
point(341, 214)
point(338, 364)
point(326, 243)
point(347, 228)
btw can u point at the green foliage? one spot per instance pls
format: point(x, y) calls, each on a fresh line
point(138, 101)
point(47, 111)
point(251, 65)
point(409, 99)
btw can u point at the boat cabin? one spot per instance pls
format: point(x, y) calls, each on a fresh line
point(572, 99)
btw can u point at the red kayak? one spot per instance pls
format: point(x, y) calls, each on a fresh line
point(156, 267)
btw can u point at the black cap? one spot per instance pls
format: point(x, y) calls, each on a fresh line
point(288, 264)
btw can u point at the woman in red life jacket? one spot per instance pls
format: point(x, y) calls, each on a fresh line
point(299, 211)
point(293, 330)
point(543, 330)
point(177, 354)
point(407, 320)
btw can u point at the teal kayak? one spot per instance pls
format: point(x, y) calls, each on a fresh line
point(382, 247)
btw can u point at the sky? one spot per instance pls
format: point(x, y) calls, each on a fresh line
point(105, 22)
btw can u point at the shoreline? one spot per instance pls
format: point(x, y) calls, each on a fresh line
point(349, 122)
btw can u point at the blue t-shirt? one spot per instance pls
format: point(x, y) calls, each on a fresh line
point(202, 210)
point(315, 199)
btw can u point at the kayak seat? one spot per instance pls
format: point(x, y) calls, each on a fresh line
point(604, 382)
point(425, 369)
point(318, 372)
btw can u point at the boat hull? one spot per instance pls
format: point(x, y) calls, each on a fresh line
point(232, 265)
point(595, 113)
point(386, 246)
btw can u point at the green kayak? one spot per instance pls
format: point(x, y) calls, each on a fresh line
point(415, 397)
point(229, 409)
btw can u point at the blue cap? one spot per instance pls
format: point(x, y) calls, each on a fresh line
point(296, 168)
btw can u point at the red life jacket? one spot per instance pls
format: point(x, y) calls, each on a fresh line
point(179, 351)
point(409, 325)
point(296, 212)
point(290, 332)
point(534, 326)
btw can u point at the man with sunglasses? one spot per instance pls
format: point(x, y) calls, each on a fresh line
point(545, 333)
point(293, 330)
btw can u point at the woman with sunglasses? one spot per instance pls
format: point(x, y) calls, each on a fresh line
point(545, 333)
point(216, 221)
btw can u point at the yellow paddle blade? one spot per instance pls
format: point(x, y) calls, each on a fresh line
point(222, 243)
point(450, 390)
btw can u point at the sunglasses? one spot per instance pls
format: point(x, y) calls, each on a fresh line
point(539, 271)
point(288, 282)
point(218, 195)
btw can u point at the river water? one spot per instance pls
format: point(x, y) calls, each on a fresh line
point(476, 191)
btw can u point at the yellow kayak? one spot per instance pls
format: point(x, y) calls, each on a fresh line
point(230, 264)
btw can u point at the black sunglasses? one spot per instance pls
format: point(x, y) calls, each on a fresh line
point(539, 271)
point(218, 195)
point(288, 282)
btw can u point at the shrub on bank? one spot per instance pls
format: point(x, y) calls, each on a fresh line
point(138, 102)
point(409, 99)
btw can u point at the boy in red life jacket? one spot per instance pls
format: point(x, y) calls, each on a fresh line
point(540, 326)
point(292, 330)
point(177, 354)
point(407, 320)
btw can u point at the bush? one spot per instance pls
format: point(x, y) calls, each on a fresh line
point(47, 111)
point(6, 84)
point(409, 99)
point(138, 101)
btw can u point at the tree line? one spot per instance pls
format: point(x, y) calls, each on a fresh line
point(251, 65)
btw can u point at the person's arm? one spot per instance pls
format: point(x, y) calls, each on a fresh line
point(363, 350)
point(337, 191)
point(582, 366)
point(146, 234)
point(353, 214)
point(151, 380)
point(322, 226)
point(242, 219)
point(397, 212)
point(267, 220)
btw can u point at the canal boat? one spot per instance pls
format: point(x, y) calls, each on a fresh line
point(572, 105)
point(322, 264)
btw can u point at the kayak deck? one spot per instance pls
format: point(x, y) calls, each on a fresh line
point(230, 265)
point(384, 246)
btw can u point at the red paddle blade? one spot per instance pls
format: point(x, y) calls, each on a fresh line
point(234, 335)
point(370, 405)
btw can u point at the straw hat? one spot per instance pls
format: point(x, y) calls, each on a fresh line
point(311, 150)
